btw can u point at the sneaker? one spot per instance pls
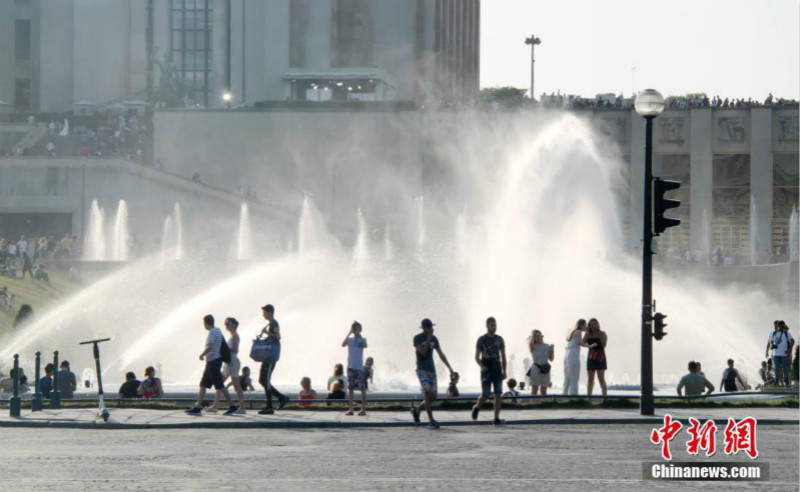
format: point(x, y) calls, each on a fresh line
point(266, 411)
point(283, 402)
point(231, 410)
point(433, 425)
point(362, 413)
point(349, 412)
point(194, 411)
point(415, 414)
point(240, 411)
point(210, 410)
point(475, 411)
point(499, 422)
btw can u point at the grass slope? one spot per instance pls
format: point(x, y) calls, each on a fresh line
point(38, 294)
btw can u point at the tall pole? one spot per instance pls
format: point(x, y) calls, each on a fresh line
point(533, 41)
point(647, 404)
point(533, 61)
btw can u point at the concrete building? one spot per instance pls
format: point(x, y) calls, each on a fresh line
point(77, 53)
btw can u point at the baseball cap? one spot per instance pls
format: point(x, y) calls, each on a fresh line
point(426, 323)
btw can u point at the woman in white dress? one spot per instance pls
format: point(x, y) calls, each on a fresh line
point(572, 359)
point(542, 354)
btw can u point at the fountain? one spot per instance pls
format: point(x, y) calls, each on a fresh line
point(244, 240)
point(119, 241)
point(177, 219)
point(388, 246)
point(166, 234)
point(793, 234)
point(422, 233)
point(361, 250)
point(461, 237)
point(753, 232)
point(535, 259)
point(95, 249)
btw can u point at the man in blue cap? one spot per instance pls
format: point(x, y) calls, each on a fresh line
point(424, 345)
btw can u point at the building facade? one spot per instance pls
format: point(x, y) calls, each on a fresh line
point(79, 53)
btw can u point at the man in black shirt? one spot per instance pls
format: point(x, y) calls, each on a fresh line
point(130, 386)
point(424, 345)
point(490, 354)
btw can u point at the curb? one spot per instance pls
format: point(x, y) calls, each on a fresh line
point(267, 424)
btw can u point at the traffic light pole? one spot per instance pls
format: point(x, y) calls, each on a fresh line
point(647, 404)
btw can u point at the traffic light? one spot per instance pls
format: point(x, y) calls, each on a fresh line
point(658, 326)
point(661, 205)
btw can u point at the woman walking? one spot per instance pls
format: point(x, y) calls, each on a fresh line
point(596, 340)
point(542, 354)
point(572, 359)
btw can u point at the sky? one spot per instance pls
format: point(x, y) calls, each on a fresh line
point(731, 48)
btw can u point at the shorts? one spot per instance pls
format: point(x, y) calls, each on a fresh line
point(212, 375)
point(356, 379)
point(490, 378)
point(428, 382)
point(232, 368)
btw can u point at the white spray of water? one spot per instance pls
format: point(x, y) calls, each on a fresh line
point(121, 233)
point(177, 219)
point(361, 250)
point(244, 239)
point(753, 232)
point(96, 239)
point(388, 246)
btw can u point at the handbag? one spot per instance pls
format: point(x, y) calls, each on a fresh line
point(543, 368)
point(265, 350)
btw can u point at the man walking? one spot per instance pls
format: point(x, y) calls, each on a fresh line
point(212, 375)
point(273, 332)
point(490, 354)
point(424, 345)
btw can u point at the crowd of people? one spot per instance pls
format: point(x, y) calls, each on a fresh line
point(696, 101)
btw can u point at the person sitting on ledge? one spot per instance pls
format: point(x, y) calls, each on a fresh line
point(694, 382)
point(129, 387)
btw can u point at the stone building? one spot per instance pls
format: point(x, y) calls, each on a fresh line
point(79, 53)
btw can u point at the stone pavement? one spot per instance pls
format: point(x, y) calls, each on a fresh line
point(130, 418)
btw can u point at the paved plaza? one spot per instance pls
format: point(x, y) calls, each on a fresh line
point(455, 458)
point(142, 450)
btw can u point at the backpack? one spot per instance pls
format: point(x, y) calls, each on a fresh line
point(224, 351)
point(730, 380)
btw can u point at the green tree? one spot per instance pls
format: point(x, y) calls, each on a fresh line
point(508, 97)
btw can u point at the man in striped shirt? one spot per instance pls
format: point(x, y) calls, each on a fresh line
point(212, 375)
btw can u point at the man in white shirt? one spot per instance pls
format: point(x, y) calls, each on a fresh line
point(783, 343)
point(22, 245)
point(212, 375)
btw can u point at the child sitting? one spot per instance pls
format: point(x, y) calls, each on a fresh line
point(512, 392)
point(306, 393)
point(452, 390)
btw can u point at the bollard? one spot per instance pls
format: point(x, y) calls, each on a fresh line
point(14, 402)
point(36, 402)
point(55, 395)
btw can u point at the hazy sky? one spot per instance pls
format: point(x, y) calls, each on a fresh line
point(734, 48)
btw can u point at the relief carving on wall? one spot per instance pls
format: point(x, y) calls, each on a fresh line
point(788, 127)
point(731, 128)
point(614, 128)
point(672, 129)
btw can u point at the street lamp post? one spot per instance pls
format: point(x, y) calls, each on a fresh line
point(649, 104)
point(533, 41)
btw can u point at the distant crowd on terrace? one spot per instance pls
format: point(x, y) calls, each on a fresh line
point(610, 101)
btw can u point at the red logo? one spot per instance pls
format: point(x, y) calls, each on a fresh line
point(739, 436)
point(665, 434)
point(704, 437)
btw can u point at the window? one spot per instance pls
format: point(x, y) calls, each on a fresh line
point(299, 18)
point(190, 35)
point(22, 39)
point(731, 204)
point(785, 195)
point(352, 33)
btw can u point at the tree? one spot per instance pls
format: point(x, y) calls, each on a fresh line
point(508, 97)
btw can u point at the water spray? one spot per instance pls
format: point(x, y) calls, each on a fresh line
point(102, 411)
